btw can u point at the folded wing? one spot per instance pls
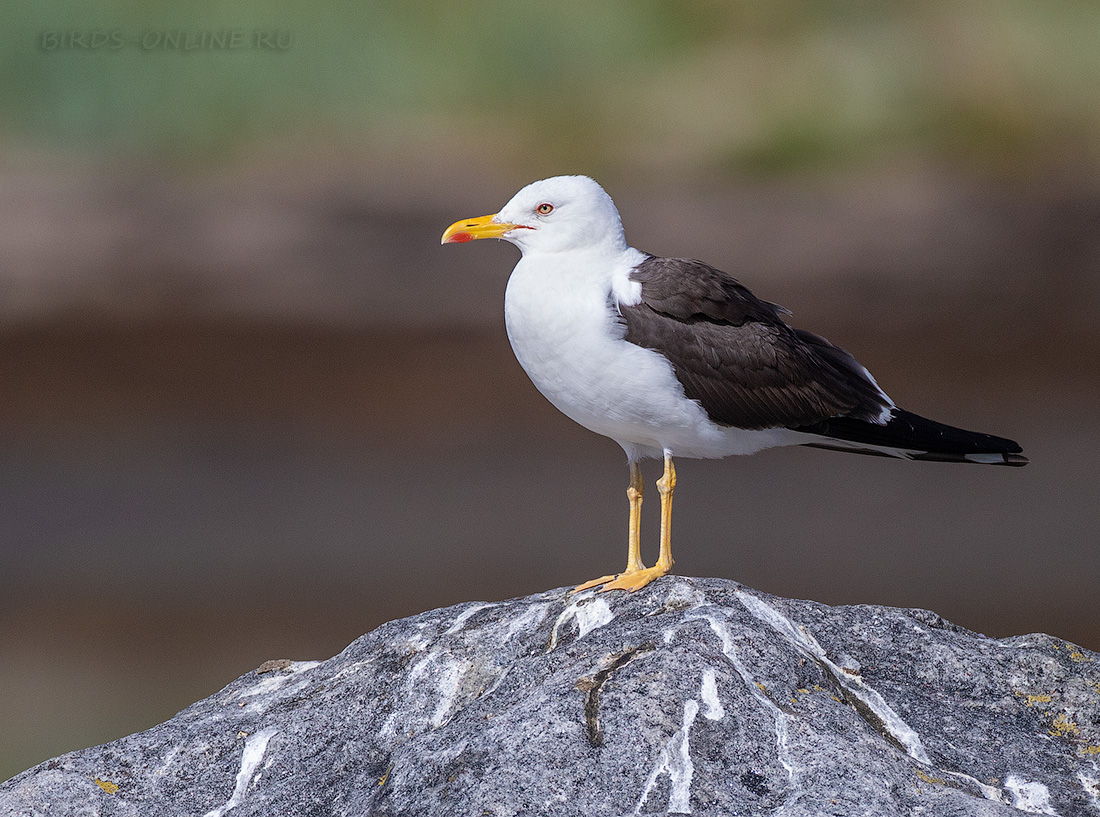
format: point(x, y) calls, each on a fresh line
point(747, 368)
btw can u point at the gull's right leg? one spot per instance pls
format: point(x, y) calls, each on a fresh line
point(634, 546)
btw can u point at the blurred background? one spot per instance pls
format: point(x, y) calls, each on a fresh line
point(250, 408)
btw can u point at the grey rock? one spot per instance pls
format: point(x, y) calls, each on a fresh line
point(693, 696)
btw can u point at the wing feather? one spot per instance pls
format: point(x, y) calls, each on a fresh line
point(736, 355)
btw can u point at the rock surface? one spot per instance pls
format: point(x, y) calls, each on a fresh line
point(693, 696)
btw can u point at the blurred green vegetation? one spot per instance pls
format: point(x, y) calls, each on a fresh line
point(752, 86)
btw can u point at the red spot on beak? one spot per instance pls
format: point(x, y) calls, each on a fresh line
point(460, 238)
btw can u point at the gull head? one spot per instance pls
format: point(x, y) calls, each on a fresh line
point(560, 214)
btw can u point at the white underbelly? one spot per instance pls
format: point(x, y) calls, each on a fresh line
point(576, 356)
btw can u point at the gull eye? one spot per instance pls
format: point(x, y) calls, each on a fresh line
point(545, 209)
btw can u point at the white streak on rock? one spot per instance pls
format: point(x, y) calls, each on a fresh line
point(449, 678)
point(1029, 795)
point(169, 759)
point(1091, 786)
point(493, 687)
point(988, 792)
point(353, 667)
point(447, 673)
point(709, 694)
point(801, 638)
point(590, 614)
point(388, 729)
point(532, 617)
point(593, 615)
point(781, 719)
point(680, 765)
point(389, 726)
point(449, 753)
point(420, 667)
point(254, 748)
point(465, 615)
point(265, 685)
point(278, 677)
point(277, 682)
point(683, 596)
point(675, 761)
point(302, 666)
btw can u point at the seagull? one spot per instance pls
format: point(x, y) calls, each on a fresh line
point(671, 357)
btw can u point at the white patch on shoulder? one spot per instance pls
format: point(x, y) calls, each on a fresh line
point(625, 290)
point(1029, 795)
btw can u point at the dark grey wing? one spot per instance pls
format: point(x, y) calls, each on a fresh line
point(686, 289)
point(733, 352)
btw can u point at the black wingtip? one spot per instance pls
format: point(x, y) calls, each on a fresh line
point(914, 437)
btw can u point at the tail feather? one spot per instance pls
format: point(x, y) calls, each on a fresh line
point(914, 437)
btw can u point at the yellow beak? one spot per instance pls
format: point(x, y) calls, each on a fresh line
point(470, 229)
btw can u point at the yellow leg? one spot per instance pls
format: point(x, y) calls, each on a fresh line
point(634, 547)
point(639, 576)
point(666, 485)
point(634, 494)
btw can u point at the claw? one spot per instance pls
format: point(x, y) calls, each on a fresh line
point(592, 583)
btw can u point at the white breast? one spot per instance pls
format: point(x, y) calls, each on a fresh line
point(564, 328)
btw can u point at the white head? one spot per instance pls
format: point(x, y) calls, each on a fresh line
point(559, 214)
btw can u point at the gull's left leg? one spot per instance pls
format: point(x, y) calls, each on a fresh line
point(634, 547)
point(666, 485)
point(637, 579)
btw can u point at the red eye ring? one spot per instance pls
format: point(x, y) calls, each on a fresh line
point(545, 209)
